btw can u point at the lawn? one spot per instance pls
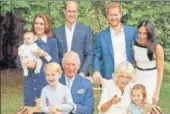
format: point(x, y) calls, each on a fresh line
point(12, 97)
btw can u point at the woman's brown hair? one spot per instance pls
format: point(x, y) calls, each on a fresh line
point(48, 29)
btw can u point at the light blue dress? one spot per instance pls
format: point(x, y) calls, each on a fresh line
point(135, 109)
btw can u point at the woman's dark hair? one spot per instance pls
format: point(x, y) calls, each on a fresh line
point(151, 37)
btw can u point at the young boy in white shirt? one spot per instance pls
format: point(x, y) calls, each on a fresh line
point(55, 97)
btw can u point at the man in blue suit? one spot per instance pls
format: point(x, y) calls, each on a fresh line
point(76, 37)
point(113, 45)
point(81, 88)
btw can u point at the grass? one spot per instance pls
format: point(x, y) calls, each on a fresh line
point(12, 91)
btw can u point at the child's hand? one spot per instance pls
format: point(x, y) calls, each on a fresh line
point(52, 110)
point(40, 53)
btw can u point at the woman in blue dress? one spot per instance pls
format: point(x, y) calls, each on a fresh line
point(34, 83)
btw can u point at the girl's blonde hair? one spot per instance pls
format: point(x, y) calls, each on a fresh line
point(55, 66)
point(124, 67)
point(143, 90)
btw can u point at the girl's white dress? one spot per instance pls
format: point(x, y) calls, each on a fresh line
point(146, 71)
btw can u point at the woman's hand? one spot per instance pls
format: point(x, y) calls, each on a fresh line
point(40, 53)
point(115, 99)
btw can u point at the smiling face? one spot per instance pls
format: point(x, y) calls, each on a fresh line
point(137, 97)
point(71, 12)
point(71, 67)
point(123, 79)
point(142, 35)
point(39, 26)
point(114, 17)
point(52, 76)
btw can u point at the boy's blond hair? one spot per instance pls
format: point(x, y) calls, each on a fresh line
point(55, 66)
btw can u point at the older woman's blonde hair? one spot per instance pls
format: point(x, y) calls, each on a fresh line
point(124, 67)
point(55, 66)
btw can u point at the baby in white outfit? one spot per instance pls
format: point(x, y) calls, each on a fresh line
point(27, 52)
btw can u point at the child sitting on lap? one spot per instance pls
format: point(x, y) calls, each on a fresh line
point(55, 97)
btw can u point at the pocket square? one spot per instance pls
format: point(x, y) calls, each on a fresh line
point(80, 91)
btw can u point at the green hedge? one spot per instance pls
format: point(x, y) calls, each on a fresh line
point(92, 13)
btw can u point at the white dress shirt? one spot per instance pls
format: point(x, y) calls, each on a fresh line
point(69, 35)
point(119, 46)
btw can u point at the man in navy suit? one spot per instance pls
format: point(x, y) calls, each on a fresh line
point(81, 88)
point(76, 37)
point(113, 45)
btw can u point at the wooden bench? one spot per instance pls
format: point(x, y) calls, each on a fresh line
point(30, 110)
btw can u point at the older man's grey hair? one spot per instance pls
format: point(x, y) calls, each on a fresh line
point(73, 55)
point(124, 67)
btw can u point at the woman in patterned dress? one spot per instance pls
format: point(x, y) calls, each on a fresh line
point(149, 61)
point(34, 83)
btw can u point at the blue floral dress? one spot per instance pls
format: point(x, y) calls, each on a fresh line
point(34, 83)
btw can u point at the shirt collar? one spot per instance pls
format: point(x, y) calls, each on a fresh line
point(44, 39)
point(114, 32)
point(72, 79)
point(72, 28)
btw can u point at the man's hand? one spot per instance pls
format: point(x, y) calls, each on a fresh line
point(97, 77)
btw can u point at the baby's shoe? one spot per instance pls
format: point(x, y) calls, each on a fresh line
point(37, 71)
point(25, 72)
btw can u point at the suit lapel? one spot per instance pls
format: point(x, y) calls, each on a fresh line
point(109, 41)
point(73, 44)
point(75, 85)
point(64, 38)
point(127, 41)
point(62, 79)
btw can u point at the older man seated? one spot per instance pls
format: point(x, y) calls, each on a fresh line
point(81, 88)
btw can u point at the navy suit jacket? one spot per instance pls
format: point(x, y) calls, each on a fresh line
point(81, 43)
point(82, 94)
point(104, 56)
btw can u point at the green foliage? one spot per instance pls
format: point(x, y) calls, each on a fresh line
point(92, 13)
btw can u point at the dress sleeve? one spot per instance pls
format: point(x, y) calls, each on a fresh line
point(104, 95)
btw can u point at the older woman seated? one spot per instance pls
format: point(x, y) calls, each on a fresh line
point(115, 97)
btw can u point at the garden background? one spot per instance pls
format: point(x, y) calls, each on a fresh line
point(17, 16)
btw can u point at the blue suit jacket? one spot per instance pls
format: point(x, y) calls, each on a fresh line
point(104, 56)
point(82, 93)
point(81, 43)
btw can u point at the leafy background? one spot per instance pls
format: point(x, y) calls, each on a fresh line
point(92, 13)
